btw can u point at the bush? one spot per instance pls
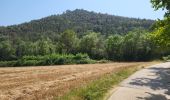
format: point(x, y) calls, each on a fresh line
point(30, 63)
point(167, 58)
point(80, 56)
point(86, 61)
point(103, 61)
point(7, 63)
point(53, 59)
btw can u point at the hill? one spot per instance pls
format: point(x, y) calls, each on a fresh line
point(78, 20)
point(101, 36)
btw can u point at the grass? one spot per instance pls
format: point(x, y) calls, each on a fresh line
point(97, 89)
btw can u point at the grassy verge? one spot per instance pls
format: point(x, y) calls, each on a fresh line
point(97, 89)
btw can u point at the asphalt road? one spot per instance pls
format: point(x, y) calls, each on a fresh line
point(151, 83)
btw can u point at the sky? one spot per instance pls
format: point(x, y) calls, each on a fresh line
point(19, 11)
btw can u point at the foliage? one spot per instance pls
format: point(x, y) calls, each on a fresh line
point(93, 45)
point(134, 46)
point(78, 20)
point(100, 36)
point(161, 33)
point(114, 46)
point(6, 51)
point(164, 4)
point(53, 59)
point(167, 58)
point(8, 63)
point(68, 41)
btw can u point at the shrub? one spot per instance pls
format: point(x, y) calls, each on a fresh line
point(7, 63)
point(166, 58)
point(80, 56)
point(103, 61)
point(53, 59)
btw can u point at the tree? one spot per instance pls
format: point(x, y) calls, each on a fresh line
point(136, 46)
point(92, 44)
point(145, 47)
point(113, 47)
point(164, 4)
point(68, 42)
point(45, 47)
point(21, 48)
point(161, 38)
point(161, 33)
point(6, 51)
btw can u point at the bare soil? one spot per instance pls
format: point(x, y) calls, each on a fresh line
point(48, 82)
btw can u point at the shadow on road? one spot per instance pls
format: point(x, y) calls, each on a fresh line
point(161, 82)
point(153, 97)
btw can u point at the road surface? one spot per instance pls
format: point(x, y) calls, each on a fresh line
point(152, 83)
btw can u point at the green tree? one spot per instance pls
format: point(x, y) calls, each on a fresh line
point(6, 51)
point(161, 33)
point(161, 38)
point(68, 42)
point(113, 47)
point(164, 4)
point(136, 46)
point(33, 48)
point(93, 44)
point(45, 47)
point(21, 48)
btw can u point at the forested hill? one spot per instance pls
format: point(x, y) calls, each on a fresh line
point(79, 21)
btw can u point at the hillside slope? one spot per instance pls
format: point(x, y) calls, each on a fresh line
point(78, 31)
point(78, 20)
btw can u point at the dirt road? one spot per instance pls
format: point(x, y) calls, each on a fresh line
point(45, 83)
point(151, 83)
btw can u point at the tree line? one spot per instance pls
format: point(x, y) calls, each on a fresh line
point(136, 45)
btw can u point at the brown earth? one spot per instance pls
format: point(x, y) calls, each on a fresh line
point(47, 82)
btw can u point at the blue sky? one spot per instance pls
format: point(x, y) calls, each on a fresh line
point(19, 11)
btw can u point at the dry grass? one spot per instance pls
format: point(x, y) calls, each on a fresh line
point(44, 83)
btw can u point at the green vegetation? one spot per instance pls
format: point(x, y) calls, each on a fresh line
point(167, 58)
point(105, 37)
point(97, 89)
point(164, 4)
point(161, 32)
point(53, 59)
point(134, 46)
point(79, 21)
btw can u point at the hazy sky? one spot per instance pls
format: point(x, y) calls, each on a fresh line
point(19, 11)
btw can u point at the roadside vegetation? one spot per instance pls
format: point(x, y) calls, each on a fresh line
point(98, 89)
point(137, 45)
